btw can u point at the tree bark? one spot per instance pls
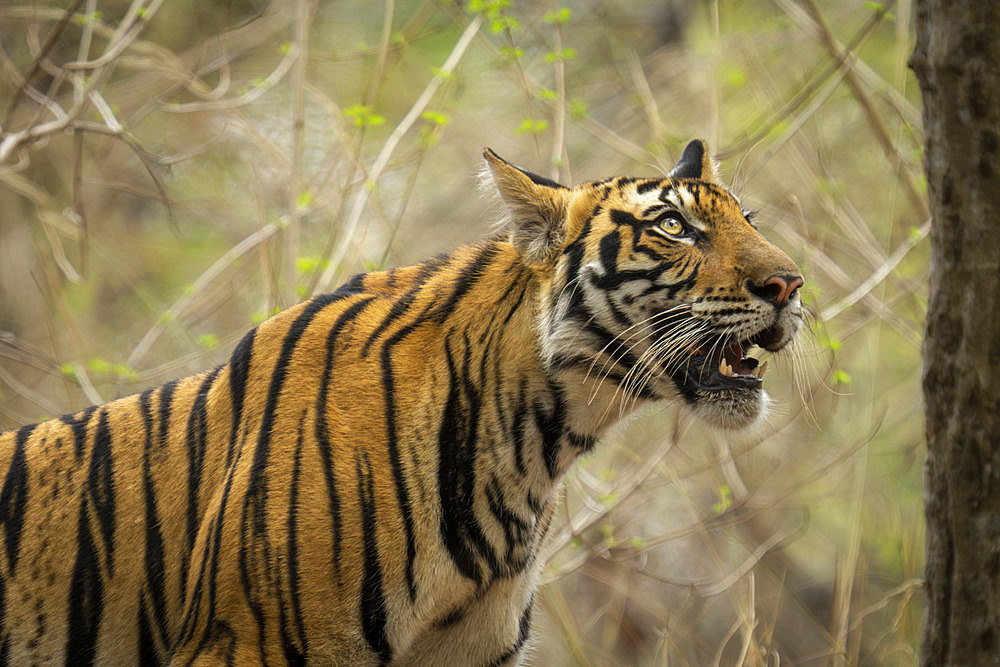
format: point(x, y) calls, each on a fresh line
point(957, 62)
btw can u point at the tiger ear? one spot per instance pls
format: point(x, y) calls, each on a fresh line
point(537, 208)
point(695, 162)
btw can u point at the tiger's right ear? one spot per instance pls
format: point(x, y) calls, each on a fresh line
point(537, 209)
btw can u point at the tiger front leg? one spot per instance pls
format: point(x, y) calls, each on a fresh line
point(492, 629)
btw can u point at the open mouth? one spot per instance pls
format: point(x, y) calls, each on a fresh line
point(721, 365)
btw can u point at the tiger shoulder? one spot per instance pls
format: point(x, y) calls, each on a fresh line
point(371, 476)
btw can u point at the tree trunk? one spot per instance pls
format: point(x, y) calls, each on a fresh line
point(957, 61)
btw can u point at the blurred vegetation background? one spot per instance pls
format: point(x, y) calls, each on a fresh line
point(175, 172)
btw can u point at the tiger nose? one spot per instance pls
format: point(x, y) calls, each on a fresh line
point(777, 289)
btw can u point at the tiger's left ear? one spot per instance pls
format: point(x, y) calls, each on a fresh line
point(695, 162)
point(537, 206)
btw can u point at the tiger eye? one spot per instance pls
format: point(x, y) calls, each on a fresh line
point(671, 226)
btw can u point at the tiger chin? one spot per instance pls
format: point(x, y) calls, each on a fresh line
point(370, 478)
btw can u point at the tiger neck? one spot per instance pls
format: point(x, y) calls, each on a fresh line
point(540, 419)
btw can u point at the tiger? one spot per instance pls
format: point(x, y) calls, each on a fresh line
point(371, 477)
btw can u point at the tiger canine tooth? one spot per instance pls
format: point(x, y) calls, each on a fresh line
point(724, 367)
point(761, 369)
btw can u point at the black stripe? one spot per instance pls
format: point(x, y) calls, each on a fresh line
point(395, 462)
point(85, 598)
point(322, 429)
point(614, 280)
point(295, 655)
point(239, 370)
point(100, 487)
point(550, 426)
point(615, 347)
point(684, 283)
point(457, 450)
point(518, 424)
point(209, 561)
point(373, 604)
point(153, 558)
point(523, 631)
point(146, 412)
point(197, 438)
point(610, 245)
point(86, 592)
point(166, 404)
point(468, 277)
point(148, 653)
point(517, 302)
point(14, 500)
point(646, 186)
point(401, 305)
point(254, 520)
point(355, 285)
point(517, 531)
point(470, 274)
point(626, 219)
point(79, 428)
point(620, 318)
point(582, 442)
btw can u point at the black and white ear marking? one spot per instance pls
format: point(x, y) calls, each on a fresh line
point(695, 162)
point(537, 209)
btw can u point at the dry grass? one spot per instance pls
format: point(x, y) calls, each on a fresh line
point(172, 173)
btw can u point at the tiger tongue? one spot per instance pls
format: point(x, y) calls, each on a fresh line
point(739, 364)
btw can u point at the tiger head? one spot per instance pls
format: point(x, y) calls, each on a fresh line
point(656, 288)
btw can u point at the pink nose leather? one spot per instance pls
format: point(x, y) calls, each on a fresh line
point(786, 285)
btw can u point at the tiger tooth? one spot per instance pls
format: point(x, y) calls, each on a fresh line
point(761, 369)
point(722, 366)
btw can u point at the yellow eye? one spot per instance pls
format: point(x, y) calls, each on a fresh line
point(670, 225)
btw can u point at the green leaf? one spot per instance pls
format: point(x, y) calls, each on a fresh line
point(735, 77)
point(725, 499)
point(124, 372)
point(830, 343)
point(363, 115)
point(491, 8)
point(207, 341)
point(565, 54)
point(608, 531)
point(101, 366)
point(531, 126)
point(436, 117)
point(578, 108)
point(841, 377)
point(560, 16)
point(504, 24)
point(879, 8)
point(303, 200)
point(444, 75)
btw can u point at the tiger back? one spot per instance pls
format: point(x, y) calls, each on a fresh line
point(371, 476)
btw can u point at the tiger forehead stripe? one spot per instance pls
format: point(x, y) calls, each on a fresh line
point(682, 199)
